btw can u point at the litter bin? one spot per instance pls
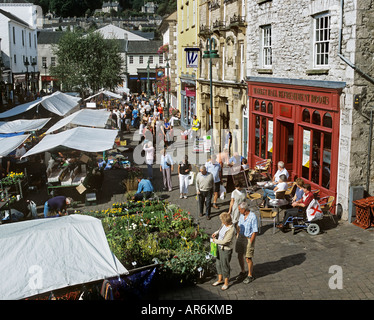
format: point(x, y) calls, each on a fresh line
point(364, 212)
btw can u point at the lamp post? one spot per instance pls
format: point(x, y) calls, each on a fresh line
point(27, 63)
point(33, 63)
point(168, 88)
point(212, 55)
point(148, 86)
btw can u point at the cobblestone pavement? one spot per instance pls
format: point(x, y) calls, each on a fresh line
point(286, 266)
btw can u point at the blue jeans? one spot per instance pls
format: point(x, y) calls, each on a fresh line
point(268, 193)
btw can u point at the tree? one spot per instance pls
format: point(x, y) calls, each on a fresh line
point(87, 62)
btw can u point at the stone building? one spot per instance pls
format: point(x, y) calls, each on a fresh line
point(310, 91)
point(223, 28)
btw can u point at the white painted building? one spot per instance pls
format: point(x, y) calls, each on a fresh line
point(19, 53)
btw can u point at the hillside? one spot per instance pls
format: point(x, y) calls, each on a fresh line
point(79, 8)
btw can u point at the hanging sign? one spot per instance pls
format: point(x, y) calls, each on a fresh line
point(192, 57)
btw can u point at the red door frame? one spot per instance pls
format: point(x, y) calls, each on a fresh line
point(299, 97)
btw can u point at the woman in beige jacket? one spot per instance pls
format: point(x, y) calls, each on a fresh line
point(224, 239)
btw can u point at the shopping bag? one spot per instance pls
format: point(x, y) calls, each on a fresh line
point(213, 248)
point(222, 192)
point(314, 211)
point(191, 178)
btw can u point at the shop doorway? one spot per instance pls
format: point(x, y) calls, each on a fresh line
point(286, 144)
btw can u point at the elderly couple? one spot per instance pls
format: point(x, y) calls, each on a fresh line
point(246, 231)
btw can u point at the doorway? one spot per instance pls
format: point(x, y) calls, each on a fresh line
point(286, 144)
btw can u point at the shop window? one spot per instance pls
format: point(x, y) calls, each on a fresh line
point(306, 115)
point(316, 118)
point(316, 163)
point(263, 137)
point(327, 120)
point(263, 106)
point(257, 105)
point(270, 108)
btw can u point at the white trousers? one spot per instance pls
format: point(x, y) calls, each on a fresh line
point(183, 183)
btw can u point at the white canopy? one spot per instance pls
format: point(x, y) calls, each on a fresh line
point(79, 138)
point(7, 145)
point(22, 125)
point(41, 255)
point(84, 117)
point(58, 103)
point(107, 93)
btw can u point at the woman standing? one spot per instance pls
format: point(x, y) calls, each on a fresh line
point(166, 167)
point(184, 170)
point(149, 156)
point(224, 239)
point(237, 197)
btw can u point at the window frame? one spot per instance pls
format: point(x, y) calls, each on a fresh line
point(266, 47)
point(320, 52)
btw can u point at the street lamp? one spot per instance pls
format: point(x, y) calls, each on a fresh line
point(168, 88)
point(27, 63)
point(212, 55)
point(148, 86)
point(33, 63)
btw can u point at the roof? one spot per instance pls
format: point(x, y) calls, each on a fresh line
point(13, 17)
point(49, 37)
point(144, 46)
point(113, 32)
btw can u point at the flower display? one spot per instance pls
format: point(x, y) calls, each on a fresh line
point(12, 178)
point(163, 49)
point(154, 230)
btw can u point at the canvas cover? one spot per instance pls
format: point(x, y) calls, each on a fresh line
point(41, 255)
point(79, 138)
point(58, 103)
point(22, 125)
point(7, 145)
point(84, 117)
point(106, 93)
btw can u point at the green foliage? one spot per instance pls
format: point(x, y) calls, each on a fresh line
point(87, 61)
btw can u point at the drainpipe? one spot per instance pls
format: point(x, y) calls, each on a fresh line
point(367, 77)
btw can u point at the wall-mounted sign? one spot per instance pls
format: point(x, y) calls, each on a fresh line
point(192, 55)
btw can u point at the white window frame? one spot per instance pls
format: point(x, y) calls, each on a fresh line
point(321, 40)
point(266, 47)
point(131, 59)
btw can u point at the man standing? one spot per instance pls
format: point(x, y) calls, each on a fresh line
point(214, 168)
point(247, 230)
point(204, 190)
point(195, 128)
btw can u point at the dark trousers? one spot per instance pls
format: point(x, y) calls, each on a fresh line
point(205, 197)
point(293, 212)
point(142, 195)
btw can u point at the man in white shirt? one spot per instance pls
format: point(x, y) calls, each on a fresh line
point(214, 168)
point(281, 170)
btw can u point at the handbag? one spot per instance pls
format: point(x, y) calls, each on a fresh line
point(314, 211)
point(191, 178)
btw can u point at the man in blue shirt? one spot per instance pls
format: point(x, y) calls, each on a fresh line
point(214, 168)
point(135, 116)
point(247, 229)
point(145, 189)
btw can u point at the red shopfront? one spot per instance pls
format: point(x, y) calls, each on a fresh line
point(298, 125)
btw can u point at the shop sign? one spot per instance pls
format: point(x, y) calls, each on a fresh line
point(192, 55)
point(297, 96)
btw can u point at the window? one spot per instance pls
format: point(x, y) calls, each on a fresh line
point(321, 40)
point(44, 62)
point(264, 129)
point(161, 59)
point(131, 59)
point(30, 40)
point(267, 59)
point(53, 61)
point(15, 59)
point(150, 59)
point(140, 59)
point(14, 35)
point(23, 38)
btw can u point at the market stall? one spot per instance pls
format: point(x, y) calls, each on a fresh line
point(53, 254)
point(69, 172)
point(58, 103)
point(84, 117)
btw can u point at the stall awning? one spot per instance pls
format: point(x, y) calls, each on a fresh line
point(7, 145)
point(42, 255)
point(106, 93)
point(22, 125)
point(84, 117)
point(79, 138)
point(58, 103)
